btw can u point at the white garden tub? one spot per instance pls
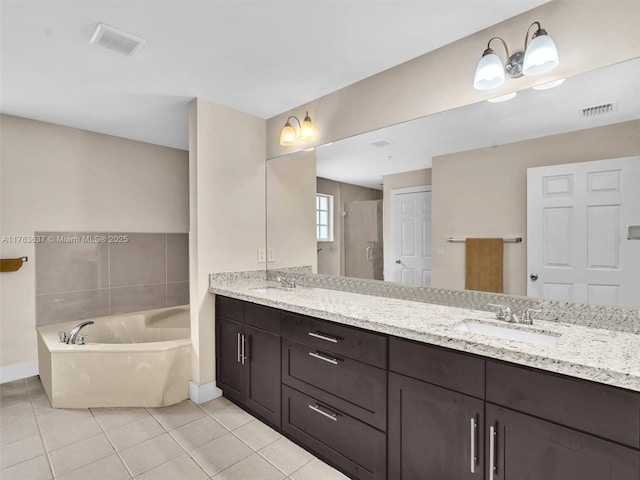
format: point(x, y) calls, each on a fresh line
point(131, 360)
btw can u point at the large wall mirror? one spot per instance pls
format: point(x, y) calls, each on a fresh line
point(553, 172)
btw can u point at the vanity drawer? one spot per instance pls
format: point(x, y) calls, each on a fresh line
point(453, 370)
point(349, 444)
point(262, 317)
point(608, 412)
point(356, 388)
point(230, 308)
point(345, 341)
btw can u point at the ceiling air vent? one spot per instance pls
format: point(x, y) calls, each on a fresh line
point(598, 110)
point(380, 143)
point(114, 39)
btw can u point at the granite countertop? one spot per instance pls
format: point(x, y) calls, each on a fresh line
point(599, 355)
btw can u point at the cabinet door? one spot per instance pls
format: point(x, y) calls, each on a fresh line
point(262, 374)
point(229, 371)
point(434, 433)
point(522, 447)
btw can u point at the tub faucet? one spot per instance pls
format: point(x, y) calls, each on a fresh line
point(73, 334)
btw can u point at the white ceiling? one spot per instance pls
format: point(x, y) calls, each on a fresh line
point(532, 114)
point(260, 57)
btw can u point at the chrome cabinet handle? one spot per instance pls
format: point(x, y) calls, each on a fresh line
point(324, 337)
point(474, 457)
point(319, 356)
point(492, 452)
point(239, 354)
point(330, 415)
point(242, 354)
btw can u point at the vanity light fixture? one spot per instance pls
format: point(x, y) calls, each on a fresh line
point(539, 56)
point(306, 131)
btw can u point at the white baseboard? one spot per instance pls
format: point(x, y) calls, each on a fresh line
point(203, 393)
point(9, 373)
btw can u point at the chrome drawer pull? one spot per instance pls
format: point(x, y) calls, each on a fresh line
point(474, 458)
point(326, 338)
point(331, 416)
point(492, 452)
point(333, 361)
point(239, 341)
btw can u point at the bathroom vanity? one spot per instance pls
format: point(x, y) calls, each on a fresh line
point(394, 396)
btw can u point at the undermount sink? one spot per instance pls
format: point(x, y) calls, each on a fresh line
point(491, 330)
point(269, 290)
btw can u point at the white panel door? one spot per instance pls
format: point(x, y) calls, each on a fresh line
point(411, 223)
point(577, 220)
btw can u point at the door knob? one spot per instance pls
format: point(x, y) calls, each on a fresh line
point(533, 277)
point(398, 262)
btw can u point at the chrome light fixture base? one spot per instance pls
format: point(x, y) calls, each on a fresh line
point(513, 67)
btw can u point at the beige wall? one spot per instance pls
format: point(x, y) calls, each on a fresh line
point(291, 210)
point(56, 178)
point(484, 192)
point(589, 35)
point(227, 216)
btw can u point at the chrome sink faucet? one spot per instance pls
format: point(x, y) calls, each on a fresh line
point(505, 314)
point(73, 334)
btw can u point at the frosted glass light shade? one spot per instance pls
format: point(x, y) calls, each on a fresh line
point(287, 136)
point(489, 72)
point(307, 129)
point(541, 56)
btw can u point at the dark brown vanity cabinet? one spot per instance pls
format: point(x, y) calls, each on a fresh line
point(380, 407)
point(525, 447)
point(435, 432)
point(248, 356)
point(543, 426)
point(334, 393)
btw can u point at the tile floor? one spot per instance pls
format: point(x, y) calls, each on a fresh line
point(216, 440)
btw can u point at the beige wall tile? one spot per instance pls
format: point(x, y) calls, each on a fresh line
point(141, 260)
point(177, 294)
point(65, 266)
point(64, 307)
point(177, 257)
point(135, 299)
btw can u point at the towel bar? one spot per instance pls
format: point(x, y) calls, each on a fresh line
point(505, 239)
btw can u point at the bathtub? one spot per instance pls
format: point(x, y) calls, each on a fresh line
point(131, 360)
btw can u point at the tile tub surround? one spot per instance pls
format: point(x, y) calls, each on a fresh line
point(215, 440)
point(597, 316)
point(604, 356)
point(93, 274)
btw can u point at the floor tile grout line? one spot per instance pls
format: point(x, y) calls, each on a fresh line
point(44, 445)
point(104, 432)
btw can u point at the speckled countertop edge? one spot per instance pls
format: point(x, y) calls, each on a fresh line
point(598, 355)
